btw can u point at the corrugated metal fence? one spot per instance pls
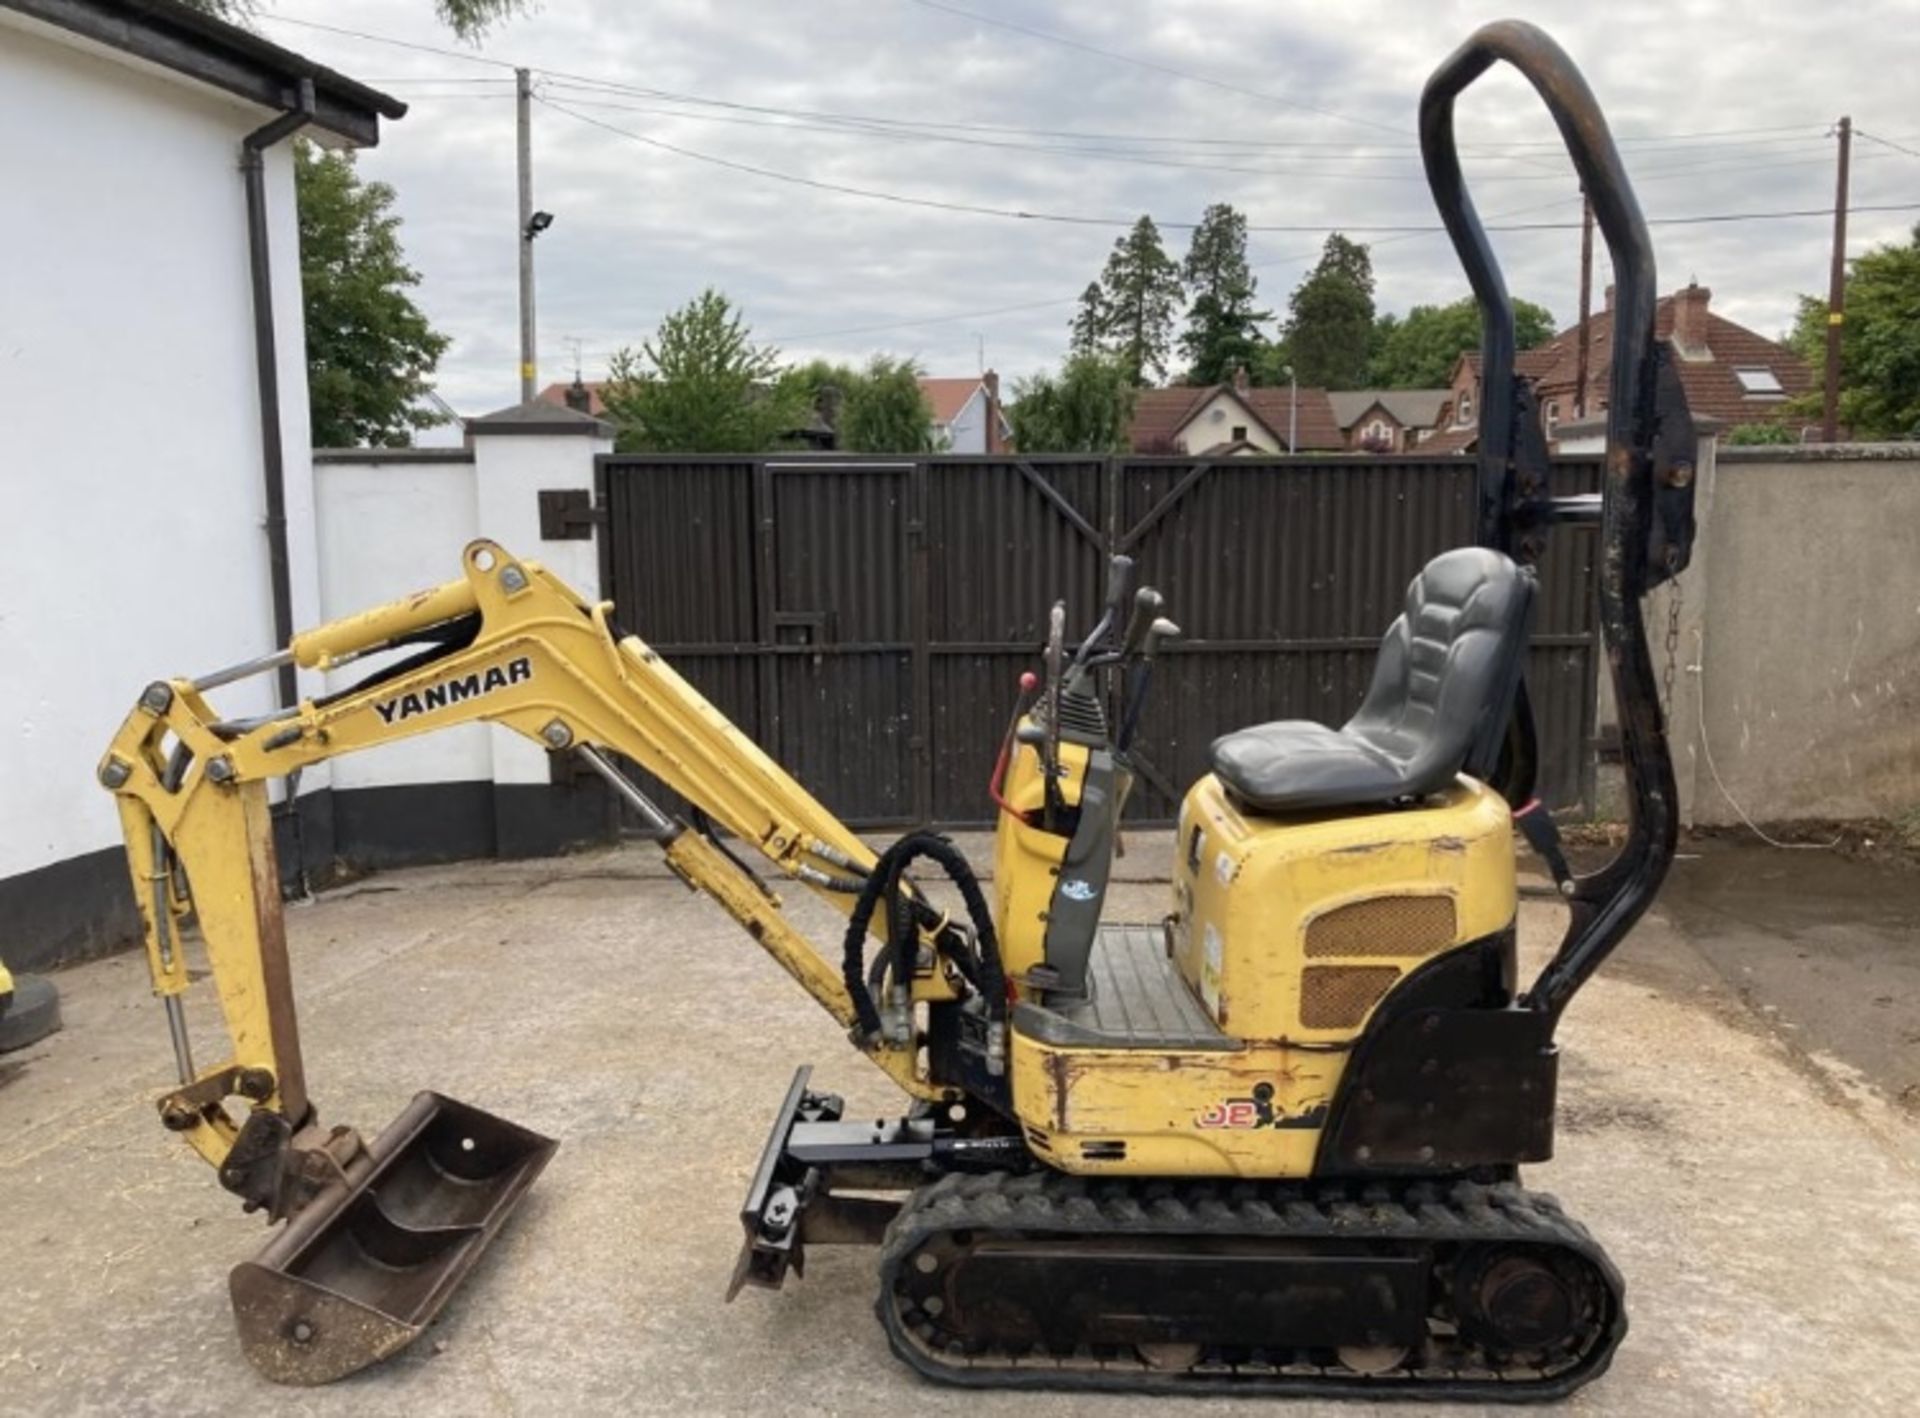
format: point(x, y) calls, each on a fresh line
point(865, 619)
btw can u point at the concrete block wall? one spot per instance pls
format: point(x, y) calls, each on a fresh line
point(1800, 637)
point(1796, 667)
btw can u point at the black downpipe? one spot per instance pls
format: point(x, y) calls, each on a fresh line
point(273, 459)
point(1605, 905)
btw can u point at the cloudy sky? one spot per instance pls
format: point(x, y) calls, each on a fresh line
point(1299, 113)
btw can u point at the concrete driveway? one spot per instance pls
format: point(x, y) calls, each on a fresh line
point(1759, 1189)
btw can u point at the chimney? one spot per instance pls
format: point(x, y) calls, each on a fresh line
point(1690, 322)
point(995, 444)
point(578, 397)
point(1240, 381)
point(1609, 297)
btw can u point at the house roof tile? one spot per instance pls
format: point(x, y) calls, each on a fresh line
point(1160, 414)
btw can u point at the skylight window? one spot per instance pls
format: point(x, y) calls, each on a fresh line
point(1760, 383)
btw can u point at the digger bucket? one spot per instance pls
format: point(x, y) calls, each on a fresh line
point(364, 1267)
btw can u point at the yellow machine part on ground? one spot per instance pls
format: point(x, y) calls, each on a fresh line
point(1290, 931)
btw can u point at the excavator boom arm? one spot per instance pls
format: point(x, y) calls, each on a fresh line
point(508, 643)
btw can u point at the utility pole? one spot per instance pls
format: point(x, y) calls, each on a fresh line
point(1586, 306)
point(1837, 290)
point(523, 115)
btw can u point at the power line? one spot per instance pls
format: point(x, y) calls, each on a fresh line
point(442, 51)
point(1148, 159)
point(1082, 219)
point(1261, 264)
point(1485, 146)
point(1153, 66)
point(1886, 142)
point(1802, 134)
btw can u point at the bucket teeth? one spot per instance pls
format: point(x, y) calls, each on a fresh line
point(362, 1269)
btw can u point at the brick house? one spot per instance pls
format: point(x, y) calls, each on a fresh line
point(1732, 375)
point(968, 416)
point(1388, 420)
point(1233, 420)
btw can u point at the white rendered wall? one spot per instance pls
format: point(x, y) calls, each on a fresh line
point(511, 469)
point(968, 431)
point(389, 525)
point(386, 528)
point(129, 423)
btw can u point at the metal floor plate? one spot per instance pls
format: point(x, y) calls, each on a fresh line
point(1139, 1000)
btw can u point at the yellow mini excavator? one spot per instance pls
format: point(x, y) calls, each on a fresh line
point(1270, 1145)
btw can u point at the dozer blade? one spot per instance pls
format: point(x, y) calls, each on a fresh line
point(364, 1267)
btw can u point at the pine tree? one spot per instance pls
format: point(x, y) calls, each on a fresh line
point(1223, 328)
point(1142, 290)
point(1087, 331)
point(1330, 324)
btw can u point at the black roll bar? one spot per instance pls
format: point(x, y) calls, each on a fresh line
point(1605, 904)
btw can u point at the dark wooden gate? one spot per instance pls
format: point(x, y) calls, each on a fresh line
point(866, 619)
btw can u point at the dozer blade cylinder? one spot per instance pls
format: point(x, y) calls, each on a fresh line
point(361, 1270)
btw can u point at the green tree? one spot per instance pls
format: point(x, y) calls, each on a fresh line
point(370, 352)
point(470, 19)
point(1088, 329)
point(1330, 320)
point(1752, 435)
point(1879, 344)
point(1141, 291)
point(1086, 408)
point(885, 412)
point(1223, 327)
point(1271, 361)
point(1419, 351)
point(701, 385)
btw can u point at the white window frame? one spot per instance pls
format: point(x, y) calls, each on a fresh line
point(1771, 388)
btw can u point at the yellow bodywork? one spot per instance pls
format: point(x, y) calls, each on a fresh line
point(1290, 931)
point(545, 663)
point(1026, 858)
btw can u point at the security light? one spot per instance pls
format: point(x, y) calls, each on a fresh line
point(538, 223)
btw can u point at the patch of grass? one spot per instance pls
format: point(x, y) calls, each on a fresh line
point(1906, 827)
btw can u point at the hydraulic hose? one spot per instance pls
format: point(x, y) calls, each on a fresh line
point(983, 971)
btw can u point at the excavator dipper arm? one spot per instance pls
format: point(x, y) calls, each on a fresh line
point(507, 643)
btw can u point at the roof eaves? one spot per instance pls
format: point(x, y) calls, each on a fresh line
point(223, 56)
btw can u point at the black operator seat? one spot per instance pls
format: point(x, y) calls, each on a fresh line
point(1442, 692)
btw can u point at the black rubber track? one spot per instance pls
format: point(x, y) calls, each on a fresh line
point(1419, 1213)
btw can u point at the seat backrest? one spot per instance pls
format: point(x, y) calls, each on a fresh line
point(1449, 668)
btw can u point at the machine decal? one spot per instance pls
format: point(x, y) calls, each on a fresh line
point(1078, 890)
point(1259, 1112)
point(1211, 961)
point(1223, 869)
point(453, 691)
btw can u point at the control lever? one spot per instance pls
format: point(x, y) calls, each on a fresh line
point(1147, 604)
point(1161, 629)
point(1050, 752)
point(1119, 577)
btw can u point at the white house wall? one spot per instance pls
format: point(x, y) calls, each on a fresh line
point(129, 423)
point(967, 433)
point(1215, 422)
